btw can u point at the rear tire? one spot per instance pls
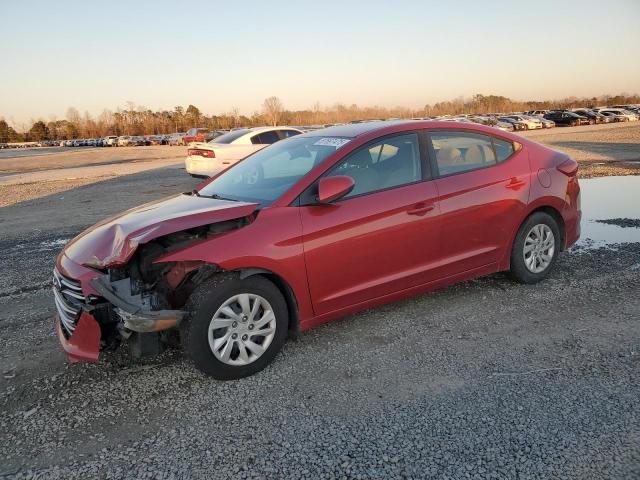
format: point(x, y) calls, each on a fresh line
point(535, 248)
point(214, 307)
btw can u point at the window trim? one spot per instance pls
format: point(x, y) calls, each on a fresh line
point(425, 169)
point(432, 153)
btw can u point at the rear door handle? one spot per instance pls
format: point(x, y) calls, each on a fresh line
point(421, 209)
point(515, 183)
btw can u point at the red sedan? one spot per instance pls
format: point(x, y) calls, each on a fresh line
point(195, 135)
point(311, 229)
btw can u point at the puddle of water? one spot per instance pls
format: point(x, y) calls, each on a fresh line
point(605, 198)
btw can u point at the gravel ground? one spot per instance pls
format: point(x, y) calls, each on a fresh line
point(485, 379)
point(18, 161)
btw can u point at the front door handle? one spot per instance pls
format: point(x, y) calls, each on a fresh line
point(421, 209)
point(515, 184)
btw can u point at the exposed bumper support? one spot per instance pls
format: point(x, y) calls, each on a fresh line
point(134, 317)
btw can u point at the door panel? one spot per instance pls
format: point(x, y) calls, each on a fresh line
point(480, 210)
point(371, 245)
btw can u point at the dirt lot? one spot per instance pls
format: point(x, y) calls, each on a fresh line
point(486, 379)
point(610, 149)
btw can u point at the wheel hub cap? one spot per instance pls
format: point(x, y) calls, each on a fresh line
point(539, 247)
point(242, 329)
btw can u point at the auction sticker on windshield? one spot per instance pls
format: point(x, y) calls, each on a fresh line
point(333, 142)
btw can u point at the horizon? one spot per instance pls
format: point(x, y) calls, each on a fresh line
point(24, 126)
point(405, 56)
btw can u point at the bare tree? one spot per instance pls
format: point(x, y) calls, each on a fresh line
point(73, 115)
point(235, 116)
point(194, 114)
point(273, 109)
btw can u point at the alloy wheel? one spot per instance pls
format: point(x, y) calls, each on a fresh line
point(242, 329)
point(539, 247)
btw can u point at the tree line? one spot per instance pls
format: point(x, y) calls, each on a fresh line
point(139, 120)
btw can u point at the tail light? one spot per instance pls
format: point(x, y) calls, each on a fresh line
point(201, 153)
point(569, 167)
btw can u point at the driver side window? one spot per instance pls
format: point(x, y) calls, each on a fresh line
point(392, 162)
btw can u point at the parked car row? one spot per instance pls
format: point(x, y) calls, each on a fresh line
point(537, 119)
point(207, 158)
point(115, 141)
point(508, 122)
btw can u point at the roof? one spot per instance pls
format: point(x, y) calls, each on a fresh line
point(262, 129)
point(353, 130)
point(392, 127)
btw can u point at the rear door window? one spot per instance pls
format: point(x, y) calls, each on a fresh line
point(458, 152)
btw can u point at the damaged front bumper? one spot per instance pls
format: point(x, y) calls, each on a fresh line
point(134, 317)
point(84, 343)
point(92, 316)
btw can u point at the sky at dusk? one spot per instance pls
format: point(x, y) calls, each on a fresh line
point(220, 55)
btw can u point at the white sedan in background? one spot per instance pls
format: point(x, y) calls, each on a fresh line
point(620, 114)
point(110, 141)
point(205, 159)
point(530, 122)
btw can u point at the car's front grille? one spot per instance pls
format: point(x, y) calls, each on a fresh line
point(68, 297)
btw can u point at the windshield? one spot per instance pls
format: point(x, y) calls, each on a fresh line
point(267, 174)
point(231, 136)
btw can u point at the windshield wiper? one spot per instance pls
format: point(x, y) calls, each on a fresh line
point(218, 197)
point(215, 196)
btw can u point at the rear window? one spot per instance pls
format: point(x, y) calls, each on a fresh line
point(231, 136)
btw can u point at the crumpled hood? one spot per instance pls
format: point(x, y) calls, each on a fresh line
point(113, 241)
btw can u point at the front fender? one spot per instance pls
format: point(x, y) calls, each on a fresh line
point(272, 242)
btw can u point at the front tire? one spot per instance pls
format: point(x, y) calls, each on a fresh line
point(535, 249)
point(236, 327)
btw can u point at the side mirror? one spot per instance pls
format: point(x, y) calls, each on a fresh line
point(333, 188)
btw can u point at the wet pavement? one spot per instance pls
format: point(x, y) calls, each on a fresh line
point(612, 199)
